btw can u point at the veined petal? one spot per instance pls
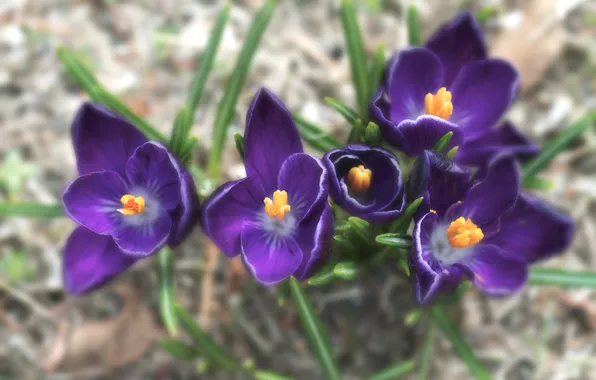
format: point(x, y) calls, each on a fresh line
point(457, 43)
point(92, 200)
point(482, 92)
point(269, 259)
point(103, 140)
point(270, 138)
point(91, 260)
point(188, 212)
point(151, 168)
point(145, 233)
point(422, 134)
point(314, 236)
point(228, 208)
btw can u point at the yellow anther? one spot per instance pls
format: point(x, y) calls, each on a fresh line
point(463, 233)
point(278, 207)
point(132, 205)
point(439, 104)
point(359, 178)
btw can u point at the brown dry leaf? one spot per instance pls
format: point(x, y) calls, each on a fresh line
point(206, 305)
point(235, 275)
point(107, 344)
point(534, 44)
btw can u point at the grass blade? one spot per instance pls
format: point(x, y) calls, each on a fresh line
point(443, 142)
point(346, 270)
point(316, 334)
point(239, 140)
point(402, 223)
point(178, 349)
point(79, 71)
point(439, 317)
point(562, 278)
point(182, 125)
point(427, 353)
point(356, 53)
point(348, 113)
point(551, 149)
point(397, 240)
point(167, 290)
point(33, 210)
point(267, 375)
point(413, 20)
point(394, 371)
point(376, 68)
point(324, 276)
point(227, 105)
point(315, 136)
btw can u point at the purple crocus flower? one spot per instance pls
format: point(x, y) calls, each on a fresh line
point(278, 217)
point(483, 230)
point(366, 182)
point(447, 86)
point(131, 198)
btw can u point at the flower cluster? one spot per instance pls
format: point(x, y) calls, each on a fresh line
point(474, 223)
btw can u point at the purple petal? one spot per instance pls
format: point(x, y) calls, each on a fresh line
point(439, 180)
point(145, 233)
point(413, 73)
point(423, 133)
point(503, 139)
point(314, 236)
point(493, 196)
point(92, 200)
point(188, 212)
point(533, 230)
point(304, 178)
point(458, 43)
point(226, 210)
point(482, 92)
point(495, 273)
point(153, 169)
point(103, 140)
point(270, 138)
point(269, 260)
point(91, 260)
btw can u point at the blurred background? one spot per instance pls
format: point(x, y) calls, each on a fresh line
point(146, 52)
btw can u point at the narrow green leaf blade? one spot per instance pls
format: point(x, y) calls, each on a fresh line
point(315, 136)
point(227, 105)
point(356, 132)
point(316, 334)
point(324, 276)
point(413, 20)
point(33, 210)
point(440, 318)
point(178, 349)
point(356, 53)
point(443, 142)
point(78, 70)
point(346, 270)
point(239, 140)
point(348, 113)
point(397, 240)
point(197, 85)
point(204, 343)
point(268, 375)
point(182, 125)
point(376, 68)
point(167, 290)
point(562, 278)
point(551, 149)
point(538, 183)
point(426, 353)
point(394, 371)
point(402, 223)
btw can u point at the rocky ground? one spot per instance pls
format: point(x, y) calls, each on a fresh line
point(145, 51)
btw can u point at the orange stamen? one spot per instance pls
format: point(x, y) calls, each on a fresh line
point(132, 205)
point(278, 207)
point(439, 104)
point(463, 233)
point(359, 178)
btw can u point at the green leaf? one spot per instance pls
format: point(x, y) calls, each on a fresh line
point(34, 210)
point(440, 318)
point(403, 263)
point(79, 71)
point(452, 152)
point(267, 375)
point(426, 353)
point(394, 371)
point(360, 227)
point(397, 240)
point(179, 349)
point(555, 146)
point(356, 132)
point(348, 113)
point(538, 183)
point(316, 334)
point(227, 105)
point(167, 289)
point(443, 142)
point(323, 276)
point(315, 136)
point(356, 53)
point(376, 68)
point(182, 125)
point(413, 21)
point(346, 270)
point(239, 140)
point(562, 278)
point(205, 62)
point(372, 134)
point(204, 343)
point(402, 223)
point(188, 149)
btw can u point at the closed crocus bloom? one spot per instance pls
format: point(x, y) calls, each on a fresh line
point(366, 182)
point(278, 217)
point(132, 197)
point(483, 230)
point(447, 86)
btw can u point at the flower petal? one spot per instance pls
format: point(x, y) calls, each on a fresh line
point(533, 230)
point(314, 236)
point(304, 178)
point(495, 273)
point(145, 233)
point(228, 208)
point(269, 260)
point(91, 260)
point(153, 169)
point(423, 133)
point(482, 92)
point(413, 73)
point(188, 212)
point(270, 138)
point(92, 200)
point(458, 43)
point(103, 140)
